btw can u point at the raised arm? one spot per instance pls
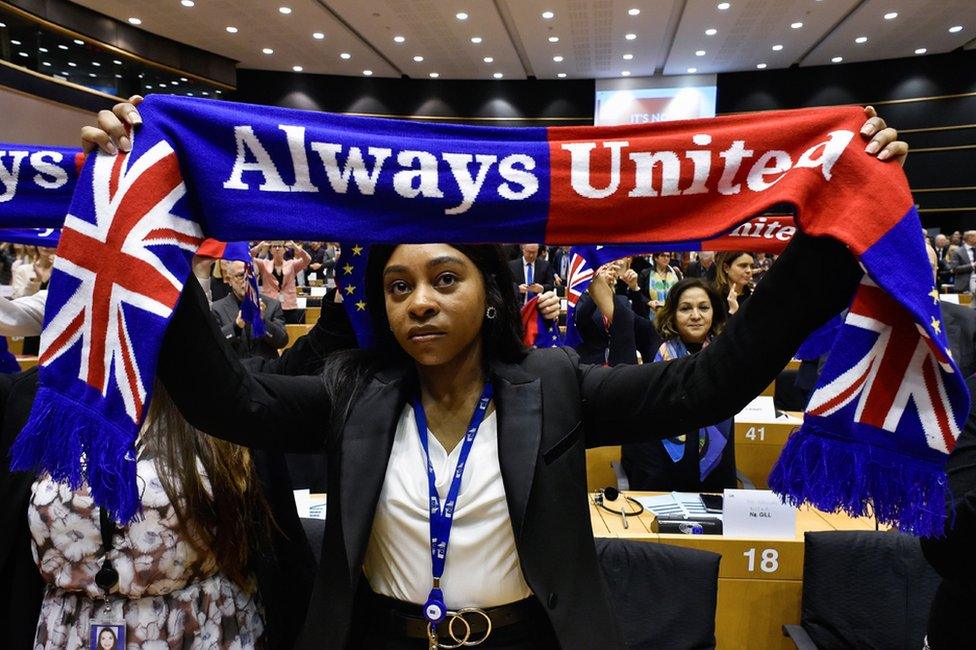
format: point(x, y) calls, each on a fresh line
point(217, 395)
point(332, 332)
point(677, 396)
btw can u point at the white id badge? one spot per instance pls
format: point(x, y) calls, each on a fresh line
point(106, 635)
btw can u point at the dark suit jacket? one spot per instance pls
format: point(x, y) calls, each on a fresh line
point(284, 568)
point(542, 273)
point(960, 329)
point(550, 408)
point(225, 311)
point(962, 268)
point(629, 332)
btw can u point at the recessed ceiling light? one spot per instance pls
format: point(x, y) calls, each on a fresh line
point(116, 62)
point(96, 64)
point(183, 79)
point(118, 76)
point(628, 57)
point(692, 70)
point(489, 59)
point(476, 40)
point(461, 15)
point(268, 50)
point(187, 3)
point(318, 36)
point(921, 50)
point(149, 86)
point(189, 94)
point(231, 29)
point(24, 54)
point(777, 47)
point(561, 75)
point(367, 73)
point(42, 49)
point(955, 29)
point(297, 68)
point(72, 64)
point(434, 75)
point(625, 73)
point(60, 47)
point(399, 39)
point(345, 55)
point(78, 41)
point(91, 74)
point(711, 31)
point(135, 21)
point(205, 93)
point(13, 42)
point(761, 66)
point(217, 92)
point(630, 36)
point(722, 6)
point(3, 24)
point(553, 39)
point(47, 63)
point(837, 59)
point(284, 10)
point(891, 15)
point(699, 52)
point(418, 58)
point(548, 15)
point(498, 75)
point(796, 25)
point(861, 39)
point(557, 59)
point(634, 12)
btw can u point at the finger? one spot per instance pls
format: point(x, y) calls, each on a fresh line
point(116, 129)
point(94, 138)
point(883, 138)
point(872, 125)
point(870, 112)
point(127, 113)
point(897, 150)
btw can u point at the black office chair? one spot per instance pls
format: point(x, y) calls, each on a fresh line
point(863, 589)
point(664, 596)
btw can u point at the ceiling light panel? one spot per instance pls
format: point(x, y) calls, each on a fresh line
point(260, 25)
point(746, 32)
point(919, 24)
point(433, 30)
point(592, 36)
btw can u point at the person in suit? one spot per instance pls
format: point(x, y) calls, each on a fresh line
point(703, 267)
point(227, 311)
point(279, 275)
point(532, 275)
point(448, 372)
point(942, 254)
point(963, 263)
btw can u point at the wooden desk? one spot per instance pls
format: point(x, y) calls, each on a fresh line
point(26, 362)
point(312, 315)
point(294, 332)
point(760, 580)
point(758, 446)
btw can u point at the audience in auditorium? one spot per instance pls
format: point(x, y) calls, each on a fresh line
point(238, 332)
point(733, 278)
point(963, 263)
point(33, 273)
point(656, 281)
point(531, 274)
point(703, 267)
point(278, 275)
point(960, 327)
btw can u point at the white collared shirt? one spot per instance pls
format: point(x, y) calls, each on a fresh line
point(482, 568)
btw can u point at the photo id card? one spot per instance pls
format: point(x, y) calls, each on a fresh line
point(107, 636)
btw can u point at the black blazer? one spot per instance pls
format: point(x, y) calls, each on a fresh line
point(225, 311)
point(284, 568)
point(550, 408)
point(541, 273)
point(960, 328)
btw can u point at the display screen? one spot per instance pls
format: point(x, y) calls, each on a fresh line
point(645, 105)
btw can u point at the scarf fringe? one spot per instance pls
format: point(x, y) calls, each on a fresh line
point(76, 446)
point(862, 480)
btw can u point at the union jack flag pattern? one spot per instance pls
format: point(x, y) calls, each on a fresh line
point(121, 264)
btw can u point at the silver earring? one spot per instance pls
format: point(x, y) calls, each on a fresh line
point(490, 313)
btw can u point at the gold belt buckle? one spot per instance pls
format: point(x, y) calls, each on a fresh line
point(463, 640)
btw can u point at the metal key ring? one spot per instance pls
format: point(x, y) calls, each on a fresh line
point(432, 633)
point(471, 610)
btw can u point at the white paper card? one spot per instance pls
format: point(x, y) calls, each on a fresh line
point(303, 502)
point(760, 409)
point(757, 513)
point(301, 302)
point(317, 292)
point(950, 297)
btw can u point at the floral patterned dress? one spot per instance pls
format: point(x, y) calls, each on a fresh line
point(169, 595)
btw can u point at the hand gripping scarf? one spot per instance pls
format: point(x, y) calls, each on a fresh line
point(890, 401)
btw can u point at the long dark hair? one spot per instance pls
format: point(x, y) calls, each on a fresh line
point(346, 373)
point(728, 258)
point(666, 320)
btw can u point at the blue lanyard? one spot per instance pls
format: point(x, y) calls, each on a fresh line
point(441, 519)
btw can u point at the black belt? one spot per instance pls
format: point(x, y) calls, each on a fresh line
point(404, 619)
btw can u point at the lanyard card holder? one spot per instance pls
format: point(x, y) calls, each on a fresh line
point(106, 635)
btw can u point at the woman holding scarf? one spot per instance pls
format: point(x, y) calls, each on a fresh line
point(457, 503)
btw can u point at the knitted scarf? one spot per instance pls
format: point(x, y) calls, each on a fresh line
point(890, 402)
